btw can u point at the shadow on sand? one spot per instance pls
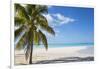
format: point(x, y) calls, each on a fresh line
point(63, 60)
point(66, 60)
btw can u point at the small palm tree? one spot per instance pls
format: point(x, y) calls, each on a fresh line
point(29, 23)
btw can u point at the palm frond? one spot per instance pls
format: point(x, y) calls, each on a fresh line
point(19, 31)
point(41, 9)
point(41, 20)
point(48, 29)
point(38, 9)
point(43, 39)
point(21, 11)
point(43, 23)
point(16, 6)
point(22, 42)
point(30, 8)
point(18, 21)
point(36, 38)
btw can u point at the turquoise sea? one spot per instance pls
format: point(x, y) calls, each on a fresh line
point(65, 45)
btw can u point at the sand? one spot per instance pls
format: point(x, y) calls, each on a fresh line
point(65, 54)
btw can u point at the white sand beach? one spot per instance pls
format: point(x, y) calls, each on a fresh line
point(40, 54)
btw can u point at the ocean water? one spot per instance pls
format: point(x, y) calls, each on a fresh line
point(65, 45)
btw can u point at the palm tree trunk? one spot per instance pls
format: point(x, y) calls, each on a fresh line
point(30, 59)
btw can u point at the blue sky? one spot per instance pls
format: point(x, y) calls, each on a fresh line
point(71, 24)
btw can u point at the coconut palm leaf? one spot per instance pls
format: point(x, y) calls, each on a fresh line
point(41, 9)
point(43, 23)
point(30, 9)
point(41, 20)
point(36, 38)
point(22, 41)
point(19, 31)
point(16, 6)
point(48, 29)
point(43, 39)
point(21, 12)
point(19, 21)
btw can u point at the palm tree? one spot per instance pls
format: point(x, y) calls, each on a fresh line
point(29, 26)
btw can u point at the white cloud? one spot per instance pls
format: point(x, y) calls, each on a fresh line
point(62, 19)
point(59, 16)
point(58, 19)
